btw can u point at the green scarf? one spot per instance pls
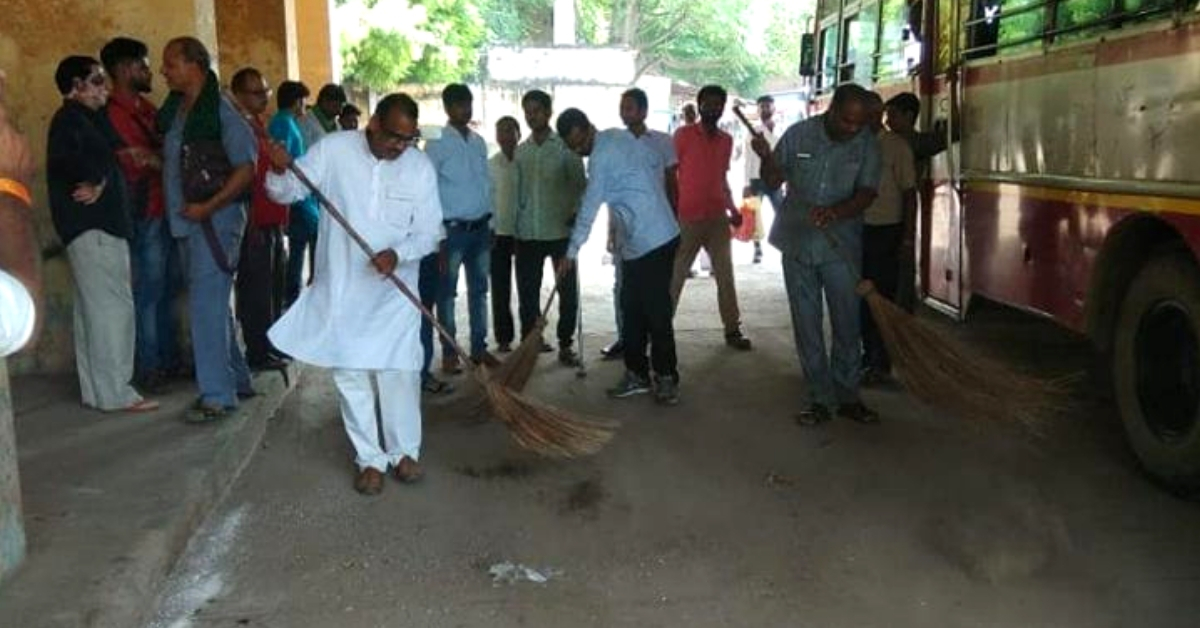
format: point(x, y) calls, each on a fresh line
point(327, 123)
point(204, 119)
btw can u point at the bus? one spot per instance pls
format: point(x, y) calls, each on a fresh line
point(1070, 186)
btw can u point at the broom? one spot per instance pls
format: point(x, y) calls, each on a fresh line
point(944, 373)
point(538, 427)
point(518, 367)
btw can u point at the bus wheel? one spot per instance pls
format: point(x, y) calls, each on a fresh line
point(1156, 369)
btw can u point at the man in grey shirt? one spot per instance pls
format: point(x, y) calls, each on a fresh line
point(831, 163)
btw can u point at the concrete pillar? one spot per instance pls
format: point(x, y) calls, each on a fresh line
point(259, 34)
point(34, 36)
point(12, 533)
point(315, 39)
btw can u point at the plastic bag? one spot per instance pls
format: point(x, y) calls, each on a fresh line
point(749, 210)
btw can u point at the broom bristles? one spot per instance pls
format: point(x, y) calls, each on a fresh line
point(545, 429)
point(940, 371)
point(515, 371)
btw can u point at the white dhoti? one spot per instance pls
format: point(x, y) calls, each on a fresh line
point(397, 394)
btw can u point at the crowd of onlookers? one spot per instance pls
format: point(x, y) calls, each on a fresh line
point(149, 200)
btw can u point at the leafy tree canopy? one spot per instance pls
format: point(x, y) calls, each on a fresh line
point(736, 43)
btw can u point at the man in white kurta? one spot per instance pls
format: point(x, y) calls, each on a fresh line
point(351, 319)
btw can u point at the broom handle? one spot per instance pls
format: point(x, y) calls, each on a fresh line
point(366, 248)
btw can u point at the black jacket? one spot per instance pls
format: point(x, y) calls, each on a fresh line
point(82, 149)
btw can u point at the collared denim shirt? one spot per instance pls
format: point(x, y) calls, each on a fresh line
point(821, 172)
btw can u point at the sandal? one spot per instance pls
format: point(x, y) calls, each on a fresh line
point(436, 387)
point(143, 405)
point(203, 413)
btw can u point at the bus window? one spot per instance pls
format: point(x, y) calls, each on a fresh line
point(894, 20)
point(1021, 29)
point(829, 58)
point(858, 63)
point(1133, 7)
point(1073, 17)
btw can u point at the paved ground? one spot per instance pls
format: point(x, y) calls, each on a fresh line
point(719, 512)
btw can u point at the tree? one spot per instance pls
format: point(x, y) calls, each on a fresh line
point(422, 41)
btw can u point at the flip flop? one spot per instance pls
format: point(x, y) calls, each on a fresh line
point(144, 405)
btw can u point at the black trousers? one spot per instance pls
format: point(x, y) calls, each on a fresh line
point(531, 260)
point(881, 264)
point(261, 278)
point(647, 307)
point(502, 283)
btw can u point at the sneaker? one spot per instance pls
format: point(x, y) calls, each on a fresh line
point(736, 340)
point(567, 356)
point(666, 390)
point(816, 414)
point(613, 351)
point(631, 384)
point(858, 413)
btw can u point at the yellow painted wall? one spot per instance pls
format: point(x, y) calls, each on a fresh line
point(34, 36)
point(316, 47)
point(255, 33)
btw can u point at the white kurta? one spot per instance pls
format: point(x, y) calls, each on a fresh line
point(351, 317)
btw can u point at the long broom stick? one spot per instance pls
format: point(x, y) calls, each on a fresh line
point(536, 426)
point(944, 373)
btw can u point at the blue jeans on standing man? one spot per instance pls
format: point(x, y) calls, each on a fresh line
point(221, 371)
point(427, 287)
point(467, 246)
point(154, 261)
point(833, 379)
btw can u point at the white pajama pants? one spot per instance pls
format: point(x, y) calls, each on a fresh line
point(398, 394)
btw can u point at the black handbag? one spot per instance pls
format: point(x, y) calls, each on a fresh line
point(204, 170)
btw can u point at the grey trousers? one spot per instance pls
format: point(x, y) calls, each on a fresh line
point(104, 320)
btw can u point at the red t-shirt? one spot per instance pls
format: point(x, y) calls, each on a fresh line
point(133, 119)
point(703, 162)
point(264, 212)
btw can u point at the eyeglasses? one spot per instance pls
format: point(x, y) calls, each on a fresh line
point(400, 138)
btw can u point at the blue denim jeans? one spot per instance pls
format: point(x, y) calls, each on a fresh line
point(471, 250)
point(154, 261)
point(221, 370)
point(302, 243)
point(427, 287)
point(832, 380)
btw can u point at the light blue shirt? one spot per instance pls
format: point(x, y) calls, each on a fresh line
point(464, 183)
point(240, 146)
point(627, 175)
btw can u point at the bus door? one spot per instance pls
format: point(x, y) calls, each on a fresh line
point(941, 255)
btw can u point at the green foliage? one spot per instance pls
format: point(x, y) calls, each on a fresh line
point(380, 61)
point(729, 42)
point(440, 45)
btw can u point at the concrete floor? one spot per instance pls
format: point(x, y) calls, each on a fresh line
point(718, 512)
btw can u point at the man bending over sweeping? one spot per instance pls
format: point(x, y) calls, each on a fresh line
point(627, 175)
point(350, 319)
